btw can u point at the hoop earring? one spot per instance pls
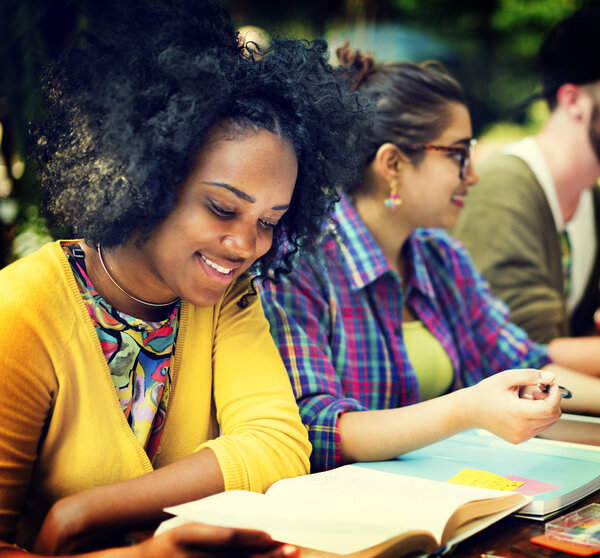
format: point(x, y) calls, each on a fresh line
point(393, 201)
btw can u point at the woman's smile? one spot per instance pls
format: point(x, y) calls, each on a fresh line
point(220, 269)
point(215, 271)
point(458, 199)
point(238, 189)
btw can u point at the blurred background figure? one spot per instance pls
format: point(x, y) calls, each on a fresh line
point(532, 225)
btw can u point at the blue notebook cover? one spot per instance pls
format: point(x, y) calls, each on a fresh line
point(573, 468)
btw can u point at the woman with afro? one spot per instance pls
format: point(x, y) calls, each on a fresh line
point(138, 368)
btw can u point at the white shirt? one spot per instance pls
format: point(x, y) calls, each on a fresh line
point(581, 227)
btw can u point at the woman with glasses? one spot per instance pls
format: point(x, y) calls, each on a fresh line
point(382, 325)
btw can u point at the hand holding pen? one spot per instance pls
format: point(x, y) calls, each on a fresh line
point(564, 392)
point(511, 404)
point(543, 387)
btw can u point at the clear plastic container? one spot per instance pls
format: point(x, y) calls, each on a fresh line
point(581, 527)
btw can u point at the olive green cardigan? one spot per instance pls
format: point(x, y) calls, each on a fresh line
point(509, 230)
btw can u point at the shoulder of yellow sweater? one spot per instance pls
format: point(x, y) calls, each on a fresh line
point(239, 287)
point(227, 307)
point(38, 285)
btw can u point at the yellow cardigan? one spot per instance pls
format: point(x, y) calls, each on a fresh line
point(61, 426)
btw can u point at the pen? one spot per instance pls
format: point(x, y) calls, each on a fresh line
point(564, 392)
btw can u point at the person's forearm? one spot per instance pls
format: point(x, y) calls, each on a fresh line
point(138, 503)
point(584, 388)
point(82, 519)
point(385, 434)
point(577, 353)
point(494, 404)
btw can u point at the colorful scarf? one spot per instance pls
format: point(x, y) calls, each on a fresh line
point(138, 355)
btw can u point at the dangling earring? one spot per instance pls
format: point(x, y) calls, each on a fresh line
point(393, 201)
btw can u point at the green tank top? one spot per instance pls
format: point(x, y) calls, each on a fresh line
point(432, 365)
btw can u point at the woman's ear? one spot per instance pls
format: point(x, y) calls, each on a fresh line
point(388, 162)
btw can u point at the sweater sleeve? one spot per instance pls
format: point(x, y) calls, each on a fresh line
point(262, 438)
point(509, 232)
point(27, 389)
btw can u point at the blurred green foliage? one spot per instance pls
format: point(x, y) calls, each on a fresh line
point(493, 45)
point(32, 32)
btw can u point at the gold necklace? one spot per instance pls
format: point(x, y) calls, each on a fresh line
point(153, 304)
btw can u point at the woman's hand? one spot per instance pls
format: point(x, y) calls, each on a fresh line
point(63, 530)
point(193, 540)
point(511, 405)
point(196, 540)
point(87, 519)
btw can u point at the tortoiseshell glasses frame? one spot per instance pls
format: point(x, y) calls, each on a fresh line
point(465, 152)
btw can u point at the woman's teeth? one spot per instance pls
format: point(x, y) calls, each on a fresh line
point(219, 268)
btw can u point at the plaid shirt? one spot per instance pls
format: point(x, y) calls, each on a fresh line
point(337, 320)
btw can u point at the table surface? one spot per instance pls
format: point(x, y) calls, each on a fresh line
point(510, 536)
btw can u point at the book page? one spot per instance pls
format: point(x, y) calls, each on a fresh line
point(343, 510)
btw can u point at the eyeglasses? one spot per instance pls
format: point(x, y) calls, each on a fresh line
point(465, 153)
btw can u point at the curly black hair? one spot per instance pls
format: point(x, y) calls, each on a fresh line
point(128, 111)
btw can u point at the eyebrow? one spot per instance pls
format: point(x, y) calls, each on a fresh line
point(243, 195)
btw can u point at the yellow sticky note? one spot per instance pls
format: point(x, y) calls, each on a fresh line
point(483, 479)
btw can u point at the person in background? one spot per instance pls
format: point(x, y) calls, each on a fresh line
point(532, 225)
point(391, 337)
point(138, 371)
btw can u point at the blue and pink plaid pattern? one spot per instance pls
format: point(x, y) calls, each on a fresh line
point(337, 320)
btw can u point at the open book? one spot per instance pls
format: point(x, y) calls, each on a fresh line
point(357, 512)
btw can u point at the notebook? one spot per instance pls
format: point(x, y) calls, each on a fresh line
point(555, 473)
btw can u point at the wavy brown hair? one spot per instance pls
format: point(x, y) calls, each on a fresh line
point(411, 101)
